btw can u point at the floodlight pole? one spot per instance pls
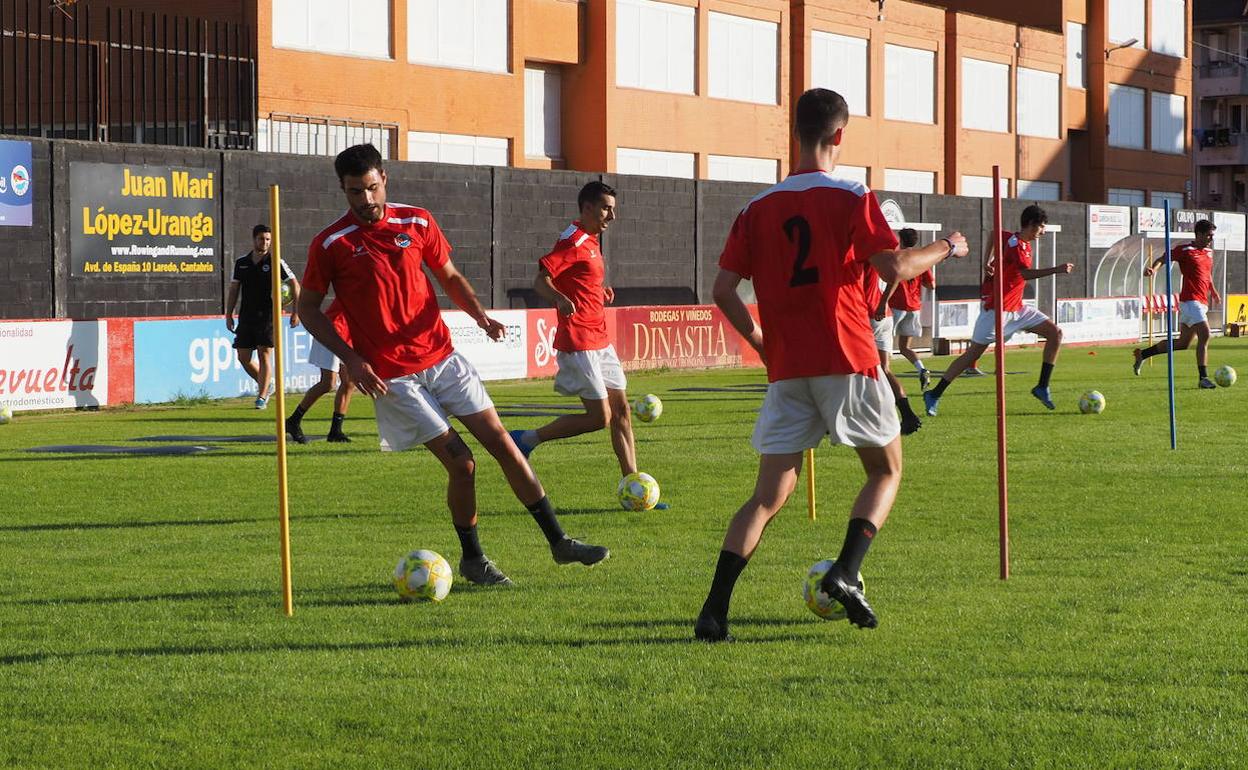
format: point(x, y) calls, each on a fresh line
point(1174, 437)
point(998, 291)
point(283, 509)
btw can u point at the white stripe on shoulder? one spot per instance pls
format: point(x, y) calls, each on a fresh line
point(810, 181)
point(405, 220)
point(584, 237)
point(335, 236)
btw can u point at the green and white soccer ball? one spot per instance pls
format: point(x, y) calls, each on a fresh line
point(287, 294)
point(1225, 376)
point(423, 575)
point(816, 600)
point(638, 492)
point(648, 408)
point(6, 414)
point(1092, 402)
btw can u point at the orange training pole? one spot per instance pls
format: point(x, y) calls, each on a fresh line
point(283, 509)
point(998, 290)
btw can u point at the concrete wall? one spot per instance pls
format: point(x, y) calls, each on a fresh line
point(26, 262)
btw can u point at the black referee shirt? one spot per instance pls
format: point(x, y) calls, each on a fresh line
point(254, 282)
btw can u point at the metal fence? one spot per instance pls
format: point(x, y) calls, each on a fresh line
point(84, 71)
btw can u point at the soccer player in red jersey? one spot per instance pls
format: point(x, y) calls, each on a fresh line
point(1018, 317)
point(877, 293)
point(573, 278)
point(401, 353)
point(906, 301)
point(323, 358)
point(1196, 264)
point(804, 242)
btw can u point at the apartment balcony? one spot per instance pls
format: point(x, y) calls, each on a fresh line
point(1219, 147)
point(1221, 79)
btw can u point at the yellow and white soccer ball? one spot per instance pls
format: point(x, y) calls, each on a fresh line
point(423, 575)
point(1225, 376)
point(638, 492)
point(1092, 402)
point(816, 600)
point(648, 408)
point(287, 294)
point(6, 414)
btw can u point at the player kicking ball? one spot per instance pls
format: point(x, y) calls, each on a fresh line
point(572, 278)
point(906, 302)
point(401, 353)
point(1017, 316)
point(805, 243)
point(1195, 261)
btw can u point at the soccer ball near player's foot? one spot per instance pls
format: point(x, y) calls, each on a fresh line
point(816, 600)
point(287, 295)
point(638, 492)
point(423, 575)
point(1225, 376)
point(6, 414)
point(1092, 402)
point(648, 408)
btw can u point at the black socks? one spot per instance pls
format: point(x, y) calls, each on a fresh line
point(335, 425)
point(939, 390)
point(468, 542)
point(1046, 371)
point(727, 571)
point(544, 514)
point(903, 404)
point(858, 539)
point(298, 414)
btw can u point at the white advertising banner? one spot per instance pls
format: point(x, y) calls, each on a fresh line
point(1107, 225)
point(1106, 319)
point(53, 364)
point(506, 359)
point(1150, 220)
point(1231, 229)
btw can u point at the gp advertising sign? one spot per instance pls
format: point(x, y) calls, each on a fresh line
point(53, 364)
point(16, 189)
point(142, 220)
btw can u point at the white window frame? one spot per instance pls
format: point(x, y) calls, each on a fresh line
point(543, 134)
point(906, 98)
point(843, 64)
point(457, 43)
point(634, 160)
point(981, 186)
point(907, 180)
point(743, 59)
point(1038, 190)
point(1039, 103)
point(1157, 199)
point(1165, 126)
point(852, 173)
point(451, 148)
point(1168, 29)
point(673, 72)
point(985, 95)
point(735, 168)
point(1076, 55)
point(1122, 133)
point(1126, 21)
point(312, 15)
point(1125, 196)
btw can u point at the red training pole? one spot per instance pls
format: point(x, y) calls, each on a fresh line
point(998, 292)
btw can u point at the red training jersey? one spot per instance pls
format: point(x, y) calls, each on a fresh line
point(909, 294)
point(375, 269)
point(576, 270)
point(1197, 268)
point(1016, 259)
point(804, 243)
point(873, 287)
point(339, 320)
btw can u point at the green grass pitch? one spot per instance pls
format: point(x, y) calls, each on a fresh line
point(140, 621)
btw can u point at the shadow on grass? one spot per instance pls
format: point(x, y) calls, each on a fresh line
point(63, 457)
point(72, 525)
point(183, 596)
point(736, 623)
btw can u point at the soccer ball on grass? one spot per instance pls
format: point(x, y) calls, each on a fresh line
point(423, 575)
point(6, 414)
point(648, 408)
point(638, 492)
point(816, 600)
point(1225, 376)
point(1092, 402)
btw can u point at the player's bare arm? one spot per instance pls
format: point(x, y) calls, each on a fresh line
point(898, 265)
point(887, 294)
point(545, 289)
point(1044, 272)
point(726, 297)
point(295, 289)
point(319, 326)
point(461, 293)
point(231, 301)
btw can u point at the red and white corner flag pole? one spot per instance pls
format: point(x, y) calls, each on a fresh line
point(998, 291)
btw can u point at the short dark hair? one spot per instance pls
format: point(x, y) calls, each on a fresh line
point(1034, 215)
point(908, 237)
point(258, 229)
point(357, 161)
point(1204, 227)
point(591, 192)
point(820, 112)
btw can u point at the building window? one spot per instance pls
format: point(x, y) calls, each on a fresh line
point(1126, 21)
point(467, 34)
point(1039, 103)
point(841, 63)
point(737, 169)
point(1126, 117)
point(852, 173)
point(901, 180)
point(1076, 57)
point(1168, 119)
point(1159, 199)
point(1034, 190)
point(654, 45)
point(1122, 196)
point(1237, 118)
point(743, 62)
point(985, 95)
point(349, 27)
point(542, 134)
point(1169, 27)
point(306, 135)
point(456, 148)
point(981, 186)
point(654, 163)
point(909, 84)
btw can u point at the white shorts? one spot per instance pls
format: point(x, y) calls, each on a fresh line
point(321, 357)
point(906, 323)
point(415, 408)
point(883, 331)
point(589, 373)
point(985, 332)
point(852, 409)
point(1192, 312)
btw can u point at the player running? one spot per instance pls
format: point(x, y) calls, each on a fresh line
point(1195, 261)
point(323, 358)
point(401, 353)
point(877, 293)
point(1017, 316)
point(906, 301)
point(804, 242)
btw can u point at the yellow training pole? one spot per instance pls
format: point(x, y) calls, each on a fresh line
point(1151, 280)
point(810, 483)
point(283, 508)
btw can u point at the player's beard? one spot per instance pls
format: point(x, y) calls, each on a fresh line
point(370, 213)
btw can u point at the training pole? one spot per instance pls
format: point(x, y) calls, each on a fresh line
point(810, 483)
point(1174, 436)
point(1152, 284)
point(279, 414)
point(998, 292)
